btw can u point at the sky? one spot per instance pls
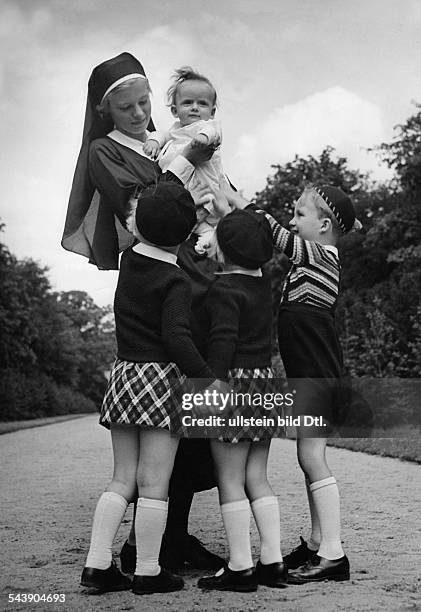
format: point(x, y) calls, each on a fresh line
point(292, 76)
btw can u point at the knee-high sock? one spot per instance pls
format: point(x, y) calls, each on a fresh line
point(151, 516)
point(326, 500)
point(314, 541)
point(109, 513)
point(236, 519)
point(266, 514)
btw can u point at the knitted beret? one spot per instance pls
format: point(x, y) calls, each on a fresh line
point(245, 238)
point(341, 206)
point(165, 214)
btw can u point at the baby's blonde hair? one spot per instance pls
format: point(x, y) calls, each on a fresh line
point(183, 74)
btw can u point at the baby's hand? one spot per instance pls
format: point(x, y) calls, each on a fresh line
point(151, 148)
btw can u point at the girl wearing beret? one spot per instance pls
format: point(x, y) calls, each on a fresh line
point(154, 347)
point(239, 308)
point(110, 170)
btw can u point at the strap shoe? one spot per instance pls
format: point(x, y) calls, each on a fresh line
point(110, 579)
point(243, 581)
point(319, 568)
point(164, 582)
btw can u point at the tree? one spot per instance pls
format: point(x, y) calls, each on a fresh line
point(379, 303)
point(54, 348)
point(288, 182)
point(94, 327)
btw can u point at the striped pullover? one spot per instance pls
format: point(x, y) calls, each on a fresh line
point(314, 275)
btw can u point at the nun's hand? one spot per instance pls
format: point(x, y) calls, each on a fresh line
point(197, 152)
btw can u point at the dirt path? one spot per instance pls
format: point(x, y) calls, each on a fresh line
point(52, 476)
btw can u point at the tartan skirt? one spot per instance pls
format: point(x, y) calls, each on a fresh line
point(258, 383)
point(143, 394)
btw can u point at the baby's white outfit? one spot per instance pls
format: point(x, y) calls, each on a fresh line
point(172, 142)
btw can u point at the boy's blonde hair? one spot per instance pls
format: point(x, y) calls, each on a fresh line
point(323, 210)
point(183, 74)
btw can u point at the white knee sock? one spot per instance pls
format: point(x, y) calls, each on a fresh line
point(151, 517)
point(266, 514)
point(236, 519)
point(109, 513)
point(326, 501)
point(314, 540)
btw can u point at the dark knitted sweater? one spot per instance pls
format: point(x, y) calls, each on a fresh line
point(152, 314)
point(239, 312)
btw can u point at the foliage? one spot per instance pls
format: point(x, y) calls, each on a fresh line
point(54, 347)
point(380, 303)
point(23, 396)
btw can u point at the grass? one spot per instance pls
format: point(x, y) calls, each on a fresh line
point(400, 442)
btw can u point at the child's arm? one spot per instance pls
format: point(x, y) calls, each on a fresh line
point(176, 333)
point(224, 307)
point(154, 143)
point(298, 250)
point(210, 133)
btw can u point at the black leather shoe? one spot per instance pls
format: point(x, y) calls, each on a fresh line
point(299, 556)
point(273, 575)
point(164, 582)
point(128, 558)
point(110, 579)
point(243, 581)
point(319, 568)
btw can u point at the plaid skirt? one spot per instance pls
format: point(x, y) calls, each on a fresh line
point(144, 394)
point(257, 384)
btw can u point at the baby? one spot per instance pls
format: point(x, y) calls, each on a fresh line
point(192, 99)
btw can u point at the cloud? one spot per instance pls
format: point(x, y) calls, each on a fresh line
point(44, 100)
point(335, 117)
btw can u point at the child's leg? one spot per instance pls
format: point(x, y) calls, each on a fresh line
point(230, 462)
point(324, 493)
point(264, 503)
point(156, 459)
point(113, 502)
point(314, 540)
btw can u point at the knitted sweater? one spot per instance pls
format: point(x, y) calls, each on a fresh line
point(239, 312)
point(313, 278)
point(152, 314)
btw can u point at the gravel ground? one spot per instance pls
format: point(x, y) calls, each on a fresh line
point(53, 475)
